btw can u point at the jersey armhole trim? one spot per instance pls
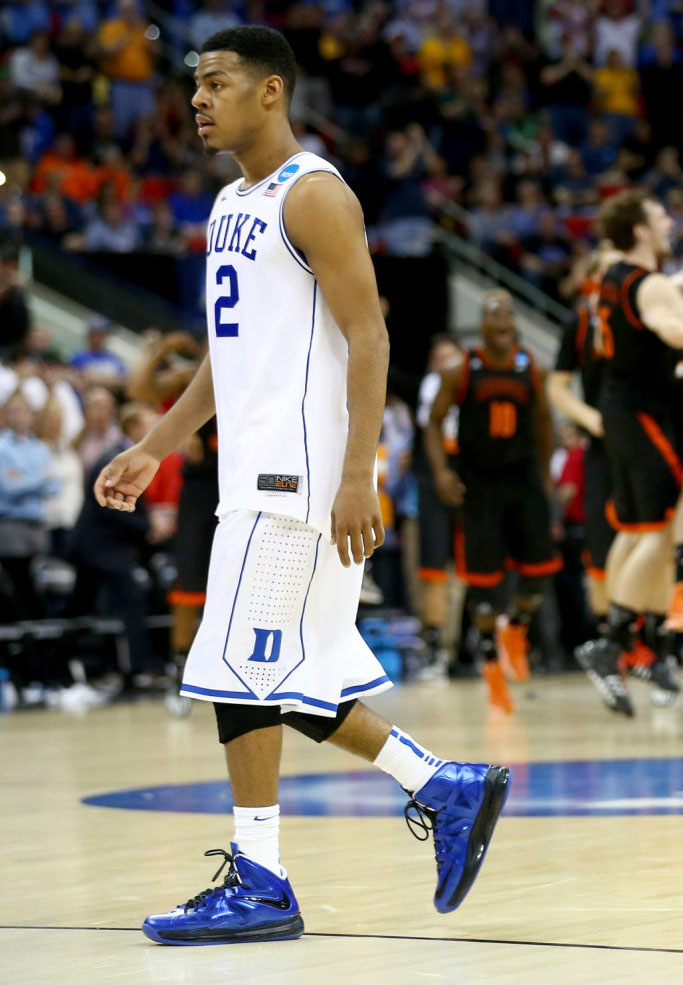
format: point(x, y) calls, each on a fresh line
point(297, 254)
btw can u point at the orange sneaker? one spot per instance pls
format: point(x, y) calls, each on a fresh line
point(513, 646)
point(674, 619)
point(497, 688)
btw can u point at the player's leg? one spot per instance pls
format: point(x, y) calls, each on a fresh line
point(530, 547)
point(186, 610)
point(459, 802)
point(479, 558)
point(599, 534)
point(255, 901)
point(435, 553)
point(675, 606)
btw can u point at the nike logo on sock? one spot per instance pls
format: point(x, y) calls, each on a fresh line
point(269, 818)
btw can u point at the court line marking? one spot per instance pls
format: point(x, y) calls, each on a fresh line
point(408, 937)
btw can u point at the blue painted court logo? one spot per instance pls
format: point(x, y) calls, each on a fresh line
point(287, 172)
point(593, 788)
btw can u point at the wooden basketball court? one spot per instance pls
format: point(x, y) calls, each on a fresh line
point(582, 883)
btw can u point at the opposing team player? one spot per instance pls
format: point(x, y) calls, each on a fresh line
point(641, 318)
point(296, 374)
point(581, 353)
point(505, 440)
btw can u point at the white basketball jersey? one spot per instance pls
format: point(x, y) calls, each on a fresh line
point(278, 358)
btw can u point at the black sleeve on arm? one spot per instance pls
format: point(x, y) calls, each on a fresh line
point(567, 360)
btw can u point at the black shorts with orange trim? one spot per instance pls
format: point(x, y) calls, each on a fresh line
point(196, 527)
point(506, 524)
point(646, 470)
point(599, 533)
point(437, 530)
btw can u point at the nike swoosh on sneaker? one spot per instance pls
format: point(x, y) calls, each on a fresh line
point(278, 904)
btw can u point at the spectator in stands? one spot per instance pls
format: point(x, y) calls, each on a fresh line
point(442, 45)
point(101, 430)
point(64, 505)
point(57, 219)
point(566, 89)
point(163, 493)
point(163, 235)
point(617, 90)
point(110, 231)
point(661, 76)
point(12, 164)
point(405, 226)
point(105, 546)
point(489, 220)
point(666, 174)
point(190, 204)
point(20, 20)
point(599, 153)
point(96, 364)
point(546, 254)
point(27, 480)
point(127, 51)
point(14, 313)
point(35, 70)
point(617, 30)
point(570, 20)
point(62, 168)
point(76, 72)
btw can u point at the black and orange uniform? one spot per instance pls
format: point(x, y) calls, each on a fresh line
point(635, 405)
point(506, 516)
point(436, 519)
point(197, 521)
point(581, 351)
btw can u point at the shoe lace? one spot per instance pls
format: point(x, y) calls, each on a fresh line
point(232, 879)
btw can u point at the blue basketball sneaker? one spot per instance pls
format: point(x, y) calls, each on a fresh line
point(460, 805)
point(253, 904)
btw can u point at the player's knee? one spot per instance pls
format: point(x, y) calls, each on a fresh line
point(234, 721)
point(318, 727)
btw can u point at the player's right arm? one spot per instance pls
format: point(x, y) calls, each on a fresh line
point(563, 398)
point(660, 304)
point(125, 478)
point(446, 480)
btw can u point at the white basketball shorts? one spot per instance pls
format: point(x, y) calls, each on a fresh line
point(279, 621)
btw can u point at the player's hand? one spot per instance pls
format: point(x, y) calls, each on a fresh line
point(123, 481)
point(449, 487)
point(356, 517)
point(594, 423)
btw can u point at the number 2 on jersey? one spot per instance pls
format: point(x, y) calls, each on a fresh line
point(226, 275)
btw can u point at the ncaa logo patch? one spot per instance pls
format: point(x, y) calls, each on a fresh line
point(288, 172)
point(521, 361)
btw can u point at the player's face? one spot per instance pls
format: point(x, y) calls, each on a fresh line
point(227, 101)
point(659, 227)
point(498, 324)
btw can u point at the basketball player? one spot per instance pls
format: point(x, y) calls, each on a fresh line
point(296, 374)
point(505, 440)
point(641, 318)
point(581, 352)
point(436, 519)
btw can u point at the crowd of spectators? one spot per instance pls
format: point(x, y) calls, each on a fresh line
point(508, 122)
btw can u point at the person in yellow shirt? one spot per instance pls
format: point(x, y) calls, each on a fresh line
point(442, 47)
point(617, 89)
point(127, 57)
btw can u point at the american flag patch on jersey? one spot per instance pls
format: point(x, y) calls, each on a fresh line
point(272, 189)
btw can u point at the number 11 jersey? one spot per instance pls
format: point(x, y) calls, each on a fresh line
point(278, 358)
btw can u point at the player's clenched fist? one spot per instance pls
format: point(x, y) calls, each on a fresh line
point(120, 483)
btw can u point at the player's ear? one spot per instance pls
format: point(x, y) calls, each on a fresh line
point(273, 90)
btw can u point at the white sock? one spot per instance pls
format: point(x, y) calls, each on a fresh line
point(407, 761)
point(257, 835)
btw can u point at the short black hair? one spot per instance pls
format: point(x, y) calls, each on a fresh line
point(261, 47)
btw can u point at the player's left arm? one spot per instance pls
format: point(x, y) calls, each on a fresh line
point(325, 221)
point(543, 426)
